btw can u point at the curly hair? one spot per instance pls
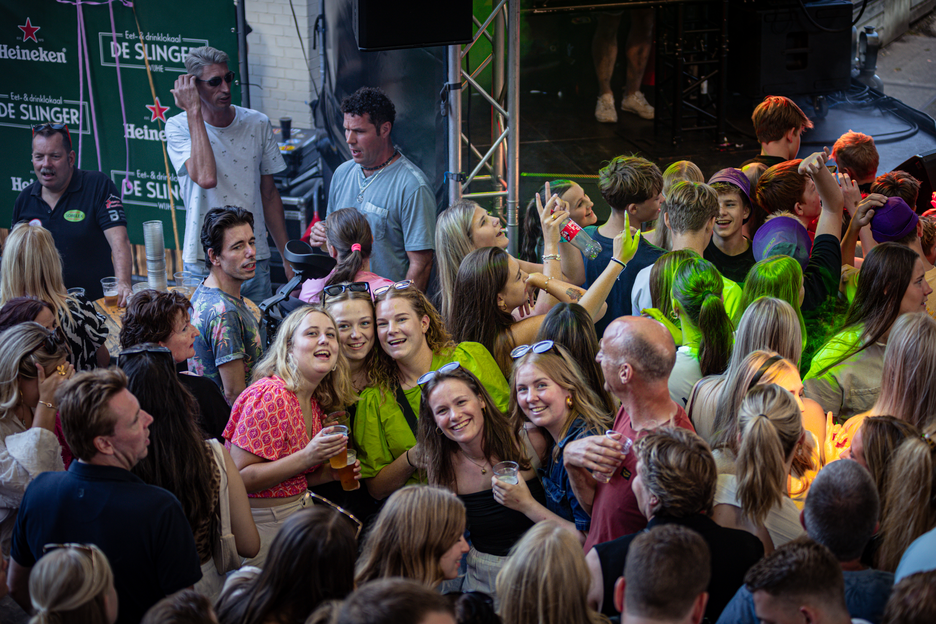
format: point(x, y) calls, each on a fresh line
point(151, 316)
point(374, 103)
point(679, 469)
point(629, 180)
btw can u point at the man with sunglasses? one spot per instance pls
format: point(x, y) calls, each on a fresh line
point(83, 212)
point(224, 155)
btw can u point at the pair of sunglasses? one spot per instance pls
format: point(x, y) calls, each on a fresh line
point(445, 368)
point(540, 347)
point(401, 285)
point(51, 126)
point(344, 512)
point(336, 289)
point(83, 548)
point(216, 81)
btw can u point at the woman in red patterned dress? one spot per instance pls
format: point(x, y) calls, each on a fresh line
point(275, 433)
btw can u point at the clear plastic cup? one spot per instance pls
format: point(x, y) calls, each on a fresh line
point(601, 477)
point(508, 472)
point(109, 284)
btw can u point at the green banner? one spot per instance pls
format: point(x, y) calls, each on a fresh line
point(60, 64)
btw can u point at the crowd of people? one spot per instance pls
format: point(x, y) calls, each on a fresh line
point(727, 415)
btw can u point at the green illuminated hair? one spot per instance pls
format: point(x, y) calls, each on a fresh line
point(532, 228)
point(697, 289)
point(661, 278)
point(779, 277)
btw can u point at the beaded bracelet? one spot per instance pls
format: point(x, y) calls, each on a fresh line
point(552, 257)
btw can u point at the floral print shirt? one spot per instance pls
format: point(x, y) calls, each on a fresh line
point(228, 331)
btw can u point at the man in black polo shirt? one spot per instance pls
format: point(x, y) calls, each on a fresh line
point(82, 210)
point(141, 528)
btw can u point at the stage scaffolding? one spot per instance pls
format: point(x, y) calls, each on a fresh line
point(504, 98)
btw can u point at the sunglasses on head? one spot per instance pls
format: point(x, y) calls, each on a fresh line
point(51, 126)
point(51, 342)
point(540, 347)
point(445, 368)
point(216, 81)
point(83, 548)
point(344, 512)
point(336, 289)
point(401, 285)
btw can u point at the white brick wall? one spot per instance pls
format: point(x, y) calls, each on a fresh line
point(281, 86)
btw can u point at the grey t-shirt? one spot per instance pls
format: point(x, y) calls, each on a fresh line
point(398, 204)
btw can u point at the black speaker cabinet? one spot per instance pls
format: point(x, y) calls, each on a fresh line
point(774, 49)
point(923, 168)
point(383, 25)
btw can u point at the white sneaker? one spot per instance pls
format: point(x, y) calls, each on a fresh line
point(637, 103)
point(604, 110)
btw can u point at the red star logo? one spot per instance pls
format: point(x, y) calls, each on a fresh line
point(29, 31)
point(158, 111)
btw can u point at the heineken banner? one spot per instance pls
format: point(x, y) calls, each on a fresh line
point(85, 66)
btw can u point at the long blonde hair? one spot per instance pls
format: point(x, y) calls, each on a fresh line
point(771, 428)
point(333, 392)
point(32, 267)
point(545, 579)
point(452, 243)
point(418, 525)
point(908, 385)
point(910, 502)
point(69, 585)
point(565, 373)
point(23, 348)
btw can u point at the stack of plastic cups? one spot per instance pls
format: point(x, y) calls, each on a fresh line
point(155, 255)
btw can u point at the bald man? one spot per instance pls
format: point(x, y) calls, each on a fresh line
point(636, 356)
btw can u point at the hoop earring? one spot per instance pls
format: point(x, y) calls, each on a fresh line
point(569, 401)
point(438, 431)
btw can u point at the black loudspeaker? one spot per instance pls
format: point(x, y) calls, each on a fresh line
point(923, 168)
point(383, 25)
point(774, 48)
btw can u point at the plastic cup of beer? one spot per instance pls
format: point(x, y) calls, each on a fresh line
point(601, 477)
point(346, 472)
point(341, 459)
point(109, 284)
point(77, 291)
point(508, 472)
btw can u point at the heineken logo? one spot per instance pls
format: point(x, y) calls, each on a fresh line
point(74, 216)
point(41, 55)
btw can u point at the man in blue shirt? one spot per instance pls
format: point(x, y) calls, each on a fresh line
point(631, 185)
point(141, 528)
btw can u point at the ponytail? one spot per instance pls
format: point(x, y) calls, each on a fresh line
point(350, 234)
point(697, 287)
point(717, 336)
point(909, 506)
point(771, 427)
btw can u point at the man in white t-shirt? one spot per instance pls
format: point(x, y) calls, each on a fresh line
point(224, 155)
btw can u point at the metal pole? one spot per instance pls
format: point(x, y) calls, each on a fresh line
point(497, 89)
point(453, 113)
point(513, 130)
point(242, 48)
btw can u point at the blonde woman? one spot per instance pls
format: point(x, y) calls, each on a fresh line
point(756, 499)
point(419, 535)
point(73, 583)
point(32, 267)
point(908, 382)
point(33, 365)
point(909, 508)
point(545, 580)
point(276, 433)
